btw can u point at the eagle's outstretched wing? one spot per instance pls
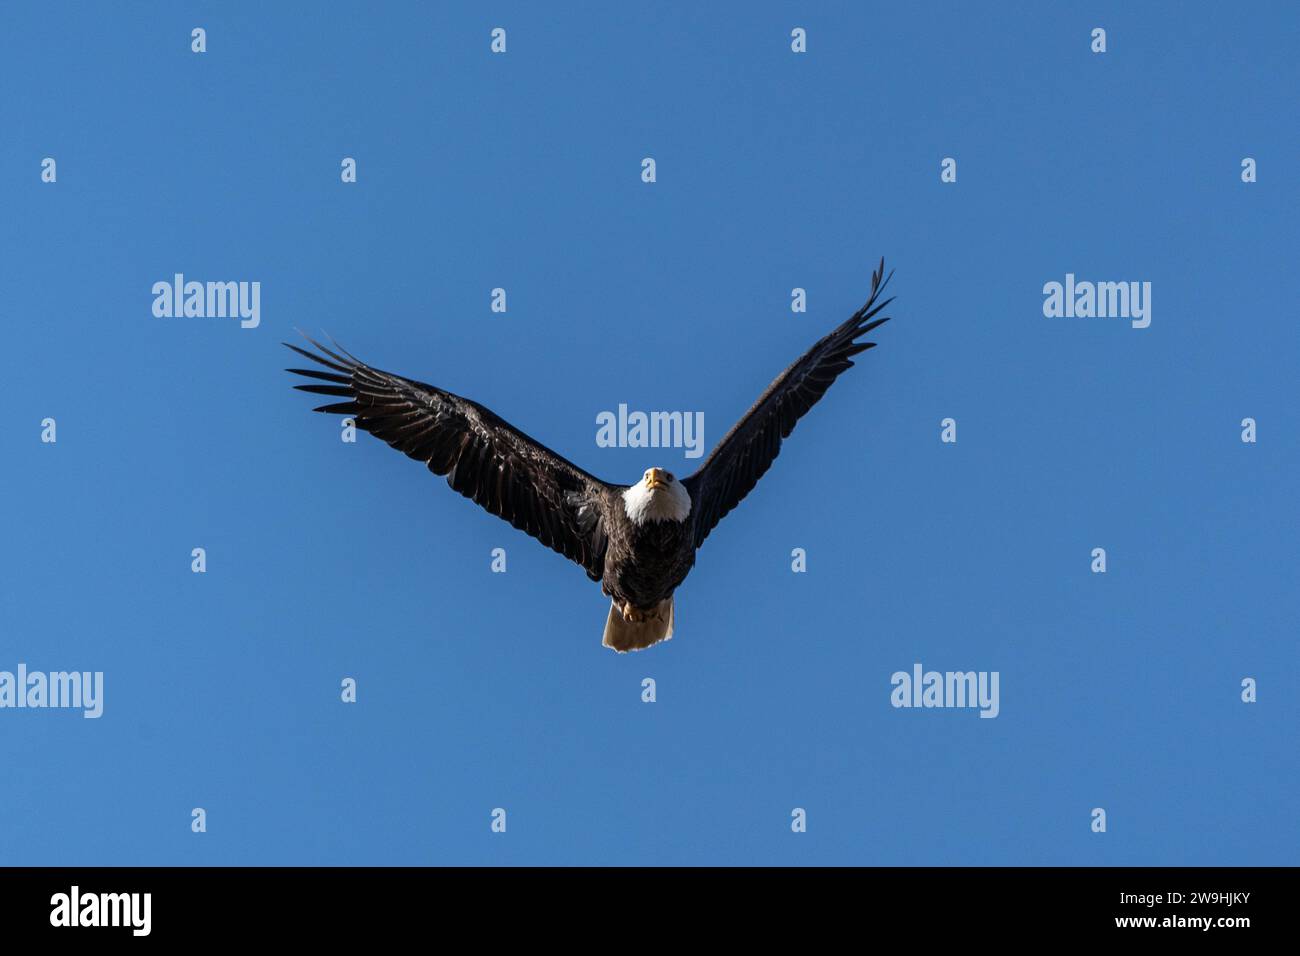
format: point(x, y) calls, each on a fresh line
point(482, 456)
point(748, 450)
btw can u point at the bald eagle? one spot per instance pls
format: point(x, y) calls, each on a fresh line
point(639, 541)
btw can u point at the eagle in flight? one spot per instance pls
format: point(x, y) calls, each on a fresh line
point(639, 541)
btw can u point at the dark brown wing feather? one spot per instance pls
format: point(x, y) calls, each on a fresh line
point(482, 456)
point(748, 450)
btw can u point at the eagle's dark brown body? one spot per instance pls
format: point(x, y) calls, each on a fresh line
point(645, 563)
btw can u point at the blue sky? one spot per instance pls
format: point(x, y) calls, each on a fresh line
point(774, 171)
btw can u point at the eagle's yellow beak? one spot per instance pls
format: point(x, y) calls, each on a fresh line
point(655, 478)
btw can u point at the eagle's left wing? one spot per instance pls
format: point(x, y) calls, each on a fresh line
point(481, 455)
point(748, 450)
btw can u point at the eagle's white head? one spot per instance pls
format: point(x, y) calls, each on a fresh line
point(658, 496)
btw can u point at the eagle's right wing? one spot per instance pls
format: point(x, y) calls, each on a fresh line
point(733, 468)
point(482, 456)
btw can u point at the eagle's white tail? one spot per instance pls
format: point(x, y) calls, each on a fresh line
point(625, 636)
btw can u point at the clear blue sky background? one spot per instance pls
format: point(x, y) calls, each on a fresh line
point(481, 690)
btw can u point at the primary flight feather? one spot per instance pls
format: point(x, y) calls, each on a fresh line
point(638, 540)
